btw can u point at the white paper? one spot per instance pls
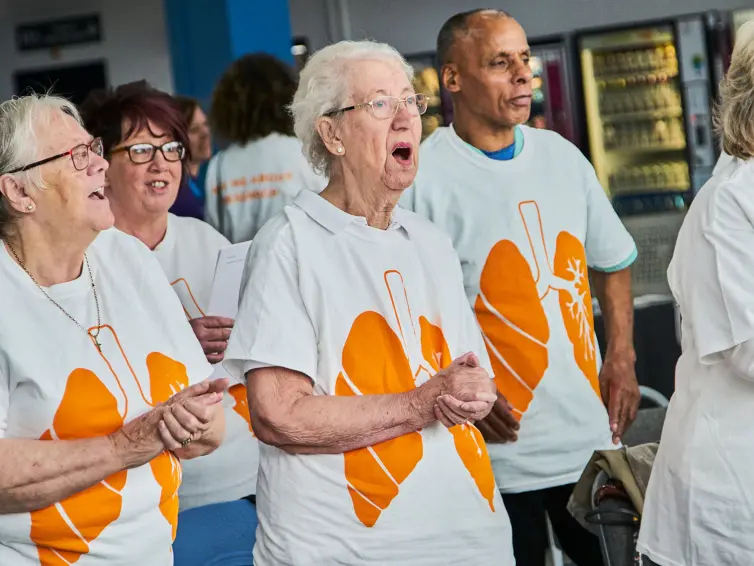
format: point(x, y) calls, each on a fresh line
point(226, 287)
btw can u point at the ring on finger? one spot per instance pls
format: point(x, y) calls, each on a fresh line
point(186, 442)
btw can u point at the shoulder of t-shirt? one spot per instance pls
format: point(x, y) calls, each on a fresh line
point(438, 141)
point(276, 236)
point(115, 243)
point(199, 228)
point(732, 194)
point(420, 227)
point(552, 142)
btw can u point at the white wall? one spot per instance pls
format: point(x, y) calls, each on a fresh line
point(412, 25)
point(134, 40)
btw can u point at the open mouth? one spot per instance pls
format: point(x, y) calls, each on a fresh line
point(402, 153)
point(157, 185)
point(98, 194)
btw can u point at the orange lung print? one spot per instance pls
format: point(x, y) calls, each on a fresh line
point(65, 531)
point(239, 392)
point(576, 304)
point(378, 361)
point(511, 315)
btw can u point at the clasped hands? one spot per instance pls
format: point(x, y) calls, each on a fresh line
point(174, 425)
point(468, 395)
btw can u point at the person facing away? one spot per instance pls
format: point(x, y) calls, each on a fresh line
point(700, 500)
point(145, 142)
point(358, 346)
point(103, 387)
point(531, 224)
point(190, 200)
point(263, 168)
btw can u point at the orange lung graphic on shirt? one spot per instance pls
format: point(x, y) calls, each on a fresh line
point(65, 531)
point(238, 392)
point(190, 305)
point(511, 315)
point(376, 360)
point(576, 304)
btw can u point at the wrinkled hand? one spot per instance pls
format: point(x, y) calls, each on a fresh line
point(620, 393)
point(139, 441)
point(500, 426)
point(467, 392)
point(213, 333)
point(188, 414)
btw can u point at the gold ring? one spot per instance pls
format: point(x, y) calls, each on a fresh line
point(186, 442)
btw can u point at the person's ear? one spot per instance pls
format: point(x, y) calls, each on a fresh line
point(16, 195)
point(451, 78)
point(328, 130)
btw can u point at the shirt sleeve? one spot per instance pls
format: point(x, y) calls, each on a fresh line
point(609, 246)
point(4, 403)
point(273, 327)
point(717, 277)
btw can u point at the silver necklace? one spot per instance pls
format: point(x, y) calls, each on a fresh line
point(92, 335)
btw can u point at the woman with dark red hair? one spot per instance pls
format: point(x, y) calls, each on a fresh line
point(145, 140)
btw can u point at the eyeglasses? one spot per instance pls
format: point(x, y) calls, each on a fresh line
point(144, 152)
point(79, 156)
point(385, 107)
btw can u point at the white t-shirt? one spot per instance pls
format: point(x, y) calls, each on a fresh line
point(188, 255)
point(258, 180)
point(55, 384)
point(362, 310)
point(525, 231)
point(700, 498)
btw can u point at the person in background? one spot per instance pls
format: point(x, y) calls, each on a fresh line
point(700, 499)
point(103, 387)
point(190, 201)
point(531, 224)
point(144, 137)
point(355, 337)
point(263, 168)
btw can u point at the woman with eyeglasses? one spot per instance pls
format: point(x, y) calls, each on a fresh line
point(365, 367)
point(145, 140)
point(103, 388)
point(262, 169)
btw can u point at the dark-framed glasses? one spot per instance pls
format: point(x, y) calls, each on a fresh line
point(79, 156)
point(145, 152)
point(385, 107)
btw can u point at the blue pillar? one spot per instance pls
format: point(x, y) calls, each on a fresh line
point(207, 35)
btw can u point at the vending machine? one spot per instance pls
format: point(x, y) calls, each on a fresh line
point(647, 99)
point(552, 91)
point(647, 94)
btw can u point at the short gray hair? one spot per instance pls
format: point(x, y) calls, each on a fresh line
point(734, 114)
point(323, 88)
point(21, 120)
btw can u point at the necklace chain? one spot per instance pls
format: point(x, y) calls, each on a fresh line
point(92, 335)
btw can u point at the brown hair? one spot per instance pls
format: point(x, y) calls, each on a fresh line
point(251, 99)
point(105, 111)
point(187, 106)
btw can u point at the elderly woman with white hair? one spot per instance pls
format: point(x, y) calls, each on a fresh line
point(102, 382)
point(365, 367)
point(699, 507)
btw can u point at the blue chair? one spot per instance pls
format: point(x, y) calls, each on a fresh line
point(222, 534)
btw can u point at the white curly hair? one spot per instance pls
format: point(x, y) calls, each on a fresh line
point(323, 87)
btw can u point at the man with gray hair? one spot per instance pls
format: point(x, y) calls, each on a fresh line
point(531, 224)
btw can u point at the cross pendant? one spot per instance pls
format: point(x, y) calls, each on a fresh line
point(99, 346)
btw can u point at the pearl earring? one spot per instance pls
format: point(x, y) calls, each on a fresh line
point(29, 207)
point(340, 150)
